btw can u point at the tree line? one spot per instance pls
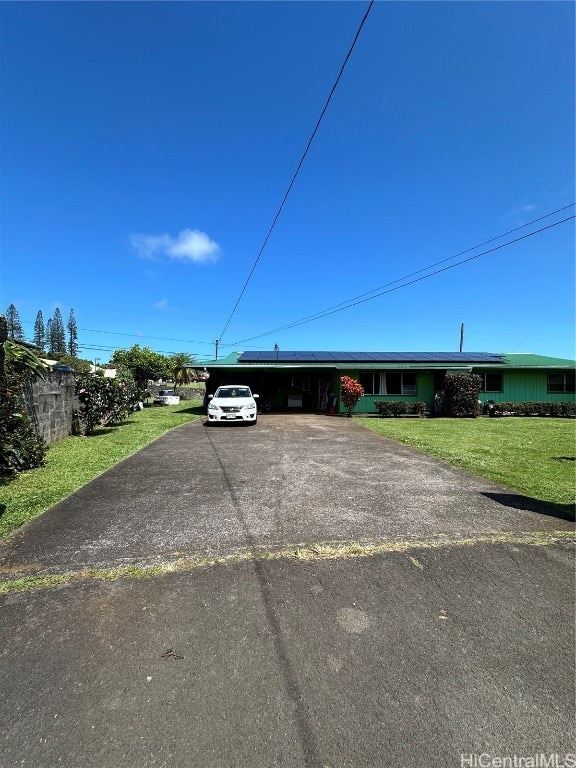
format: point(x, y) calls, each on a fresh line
point(143, 363)
point(49, 337)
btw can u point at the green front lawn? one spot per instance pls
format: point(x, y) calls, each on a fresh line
point(75, 461)
point(535, 456)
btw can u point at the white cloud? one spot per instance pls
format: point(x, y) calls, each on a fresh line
point(519, 213)
point(190, 245)
point(162, 304)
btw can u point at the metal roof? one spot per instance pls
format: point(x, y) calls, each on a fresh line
point(369, 357)
point(525, 360)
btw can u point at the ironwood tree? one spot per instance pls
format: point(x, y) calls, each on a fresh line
point(72, 335)
point(14, 326)
point(57, 338)
point(39, 331)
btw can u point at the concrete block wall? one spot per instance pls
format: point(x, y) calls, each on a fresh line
point(51, 403)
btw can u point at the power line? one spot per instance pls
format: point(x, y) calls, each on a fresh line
point(310, 140)
point(135, 335)
point(101, 348)
point(336, 307)
point(359, 300)
point(345, 303)
point(145, 336)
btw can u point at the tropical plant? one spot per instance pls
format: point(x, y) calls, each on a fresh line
point(21, 447)
point(182, 360)
point(351, 391)
point(23, 360)
point(183, 371)
point(185, 375)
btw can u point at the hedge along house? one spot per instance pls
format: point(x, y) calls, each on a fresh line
point(310, 381)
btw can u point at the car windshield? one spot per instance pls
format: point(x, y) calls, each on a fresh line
point(233, 392)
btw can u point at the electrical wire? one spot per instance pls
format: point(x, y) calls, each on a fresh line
point(359, 300)
point(417, 272)
point(310, 140)
point(321, 313)
point(135, 335)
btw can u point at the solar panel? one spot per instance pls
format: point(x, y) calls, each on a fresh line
point(368, 357)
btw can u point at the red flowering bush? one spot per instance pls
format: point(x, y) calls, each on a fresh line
point(351, 391)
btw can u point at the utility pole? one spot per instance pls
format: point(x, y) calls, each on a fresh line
point(216, 343)
point(461, 336)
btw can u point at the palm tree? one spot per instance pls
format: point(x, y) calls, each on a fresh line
point(185, 374)
point(183, 370)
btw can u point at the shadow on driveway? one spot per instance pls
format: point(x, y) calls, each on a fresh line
point(516, 501)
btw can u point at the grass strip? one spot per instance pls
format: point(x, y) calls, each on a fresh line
point(535, 456)
point(75, 461)
point(304, 552)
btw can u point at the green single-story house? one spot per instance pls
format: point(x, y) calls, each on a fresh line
point(310, 381)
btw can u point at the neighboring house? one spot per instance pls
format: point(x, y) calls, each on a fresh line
point(108, 373)
point(307, 380)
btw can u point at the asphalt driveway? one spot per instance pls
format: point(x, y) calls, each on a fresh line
point(429, 657)
point(289, 480)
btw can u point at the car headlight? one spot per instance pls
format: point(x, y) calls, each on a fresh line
point(213, 407)
point(249, 407)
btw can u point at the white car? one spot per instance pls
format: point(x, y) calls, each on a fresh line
point(234, 402)
point(166, 397)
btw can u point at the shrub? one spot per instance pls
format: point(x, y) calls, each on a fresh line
point(419, 408)
point(351, 392)
point(461, 395)
point(104, 401)
point(529, 408)
point(21, 446)
point(391, 407)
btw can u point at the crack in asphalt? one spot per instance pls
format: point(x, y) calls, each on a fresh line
point(309, 551)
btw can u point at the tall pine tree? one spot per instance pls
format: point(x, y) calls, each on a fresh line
point(72, 335)
point(58, 336)
point(49, 335)
point(14, 325)
point(39, 331)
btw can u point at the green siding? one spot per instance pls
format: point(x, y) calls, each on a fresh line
point(526, 386)
point(518, 387)
point(425, 393)
point(524, 379)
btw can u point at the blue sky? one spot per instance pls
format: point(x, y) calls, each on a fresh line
point(147, 147)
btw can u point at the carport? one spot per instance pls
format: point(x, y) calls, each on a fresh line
point(285, 385)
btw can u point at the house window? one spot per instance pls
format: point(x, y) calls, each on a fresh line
point(388, 383)
point(370, 382)
point(491, 382)
point(561, 382)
